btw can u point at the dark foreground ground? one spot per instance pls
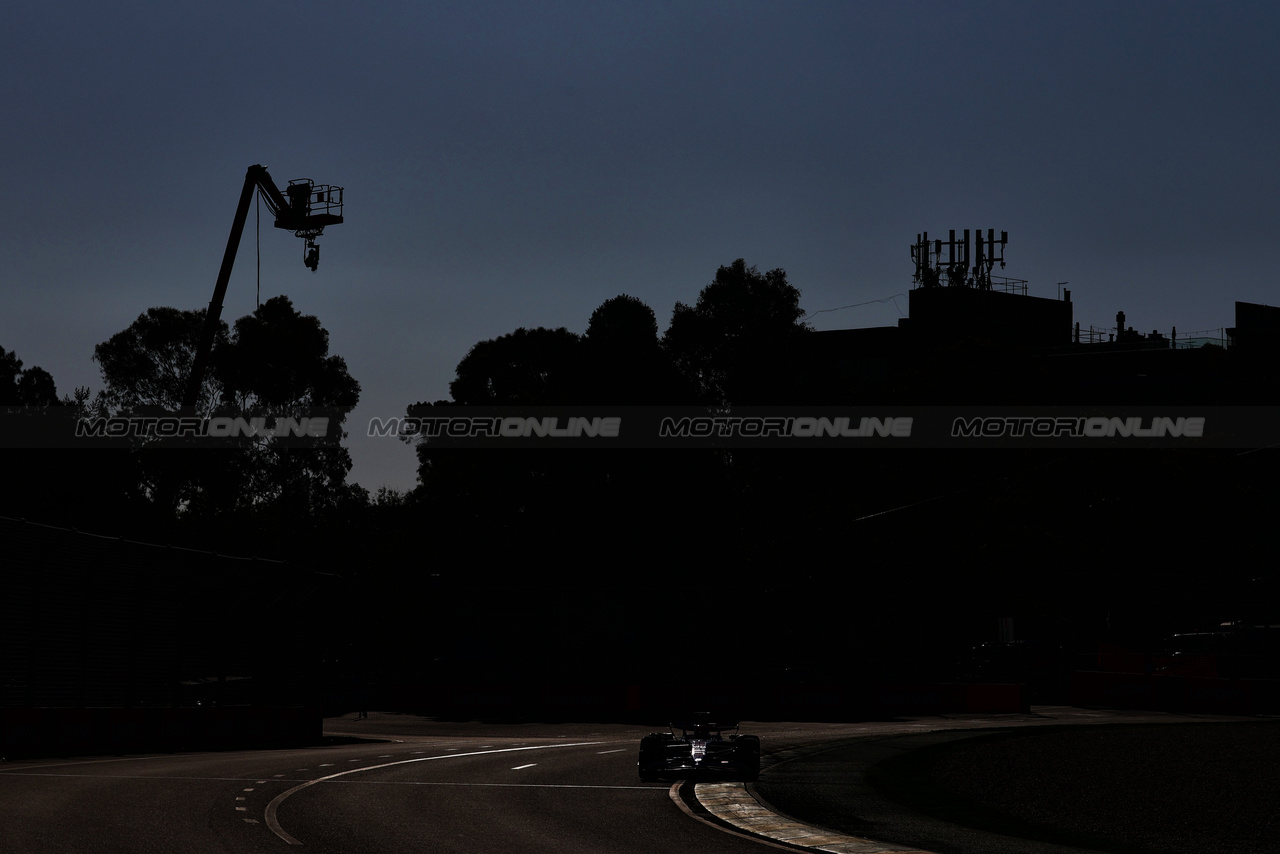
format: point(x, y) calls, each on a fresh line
point(1172, 789)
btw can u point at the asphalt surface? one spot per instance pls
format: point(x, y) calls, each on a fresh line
point(1175, 788)
point(478, 789)
point(396, 783)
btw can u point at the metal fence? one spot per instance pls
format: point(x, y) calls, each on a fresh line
point(1195, 340)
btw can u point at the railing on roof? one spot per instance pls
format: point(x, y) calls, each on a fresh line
point(998, 283)
point(1195, 340)
point(1175, 340)
point(1009, 286)
point(1093, 335)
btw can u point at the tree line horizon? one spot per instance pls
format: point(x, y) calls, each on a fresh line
point(759, 526)
point(276, 360)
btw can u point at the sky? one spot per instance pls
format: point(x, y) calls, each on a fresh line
point(517, 164)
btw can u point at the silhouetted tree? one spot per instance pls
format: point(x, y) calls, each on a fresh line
point(516, 498)
point(278, 358)
point(738, 345)
point(734, 340)
point(36, 388)
point(623, 324)
point(10, 371)
point(146, 366)
point(624, 363)
point(529, 366)
point(494, 496)
point(31, 387)
point(275, 364)
point(81, 488)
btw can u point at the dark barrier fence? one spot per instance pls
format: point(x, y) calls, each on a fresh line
point(1157, 692)
point(28, 732)
point(656, 702)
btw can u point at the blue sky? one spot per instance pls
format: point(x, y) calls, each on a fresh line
point(516, 164)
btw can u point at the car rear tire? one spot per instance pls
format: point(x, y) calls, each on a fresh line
point(652, 748)
point(749, 745)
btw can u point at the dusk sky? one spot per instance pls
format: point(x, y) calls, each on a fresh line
point(517, 164)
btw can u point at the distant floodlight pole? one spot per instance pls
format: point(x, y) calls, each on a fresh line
point(307, 210)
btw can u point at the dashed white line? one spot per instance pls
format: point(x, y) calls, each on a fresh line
point(619, 750)
point(272, 808)
point(493, 785)
point(520, 767)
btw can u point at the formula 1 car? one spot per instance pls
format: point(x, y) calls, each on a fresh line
point(701, 750)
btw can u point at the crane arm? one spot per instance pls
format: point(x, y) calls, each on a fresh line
point(270, 192)
point(297, 213)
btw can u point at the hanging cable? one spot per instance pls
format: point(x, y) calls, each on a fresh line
point(893, 299)
point(258, 240)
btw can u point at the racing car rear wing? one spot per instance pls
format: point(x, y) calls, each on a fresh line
point(704, 722)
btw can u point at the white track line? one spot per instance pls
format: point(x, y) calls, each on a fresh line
point(272, 808)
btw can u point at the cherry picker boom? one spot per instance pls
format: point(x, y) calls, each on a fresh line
point(306, 211)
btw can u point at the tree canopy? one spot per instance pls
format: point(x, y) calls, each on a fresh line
point(718, 350)
point(31, 387)
point(623, 324)
point(275, 362)
point(528, 366)
point(278, 358)
point(732, 341)
point(146, 365)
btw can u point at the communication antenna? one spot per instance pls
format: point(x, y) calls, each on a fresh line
point(969, 259)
